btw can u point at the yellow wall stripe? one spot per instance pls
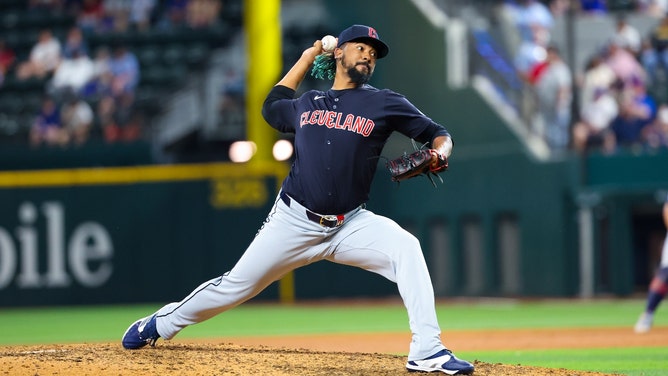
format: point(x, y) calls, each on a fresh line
point(137, 174)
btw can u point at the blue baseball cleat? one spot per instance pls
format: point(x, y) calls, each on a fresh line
point(141, 333)
point(443, 361)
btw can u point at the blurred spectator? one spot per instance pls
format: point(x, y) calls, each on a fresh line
point(655, 70)
point(47, 128)
point(655, 135)
point(7, 59)
point(626, 67)
point(659, 35)
point(74, 41)
point(175, 14)
point(100, 83)
point(627, 36)
point(116, 15)
point(44, 57)
point(654, 8)
point(202, 13)
point(72, 74)
point(530, 15)
point(636, 111)
point(559, 8)
point(593, 129)
point(651, 62)
point(654, 53)
point(531, 54)
point(89, 16)
point(76, 118)
point(554, 95)
point(124, 68)
point(597, 76)
point(141, 14)
point(594, 7)
point(119, 119)
point(102, 60)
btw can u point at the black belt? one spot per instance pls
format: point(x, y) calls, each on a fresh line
point(330, 221)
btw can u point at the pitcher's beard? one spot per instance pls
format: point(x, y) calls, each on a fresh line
point(357, 77)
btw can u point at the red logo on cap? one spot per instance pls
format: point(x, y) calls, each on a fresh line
point(373, 33)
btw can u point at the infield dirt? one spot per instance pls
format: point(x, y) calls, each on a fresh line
point(333, 354)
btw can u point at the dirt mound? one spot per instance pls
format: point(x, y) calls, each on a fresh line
point(191, 359)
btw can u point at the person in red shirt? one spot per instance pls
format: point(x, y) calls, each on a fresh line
point(7, 59)
point(90, 15)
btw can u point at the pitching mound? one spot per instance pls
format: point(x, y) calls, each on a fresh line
point(219, 359)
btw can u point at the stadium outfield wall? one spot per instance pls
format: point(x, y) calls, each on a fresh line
point(504, 223)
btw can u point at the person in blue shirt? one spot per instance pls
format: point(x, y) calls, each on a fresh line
point(47, 129)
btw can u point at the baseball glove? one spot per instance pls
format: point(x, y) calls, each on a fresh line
point(417, 163)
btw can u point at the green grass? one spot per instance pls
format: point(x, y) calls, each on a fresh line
point(107, 323)
point(512, 314)
point(636, 361)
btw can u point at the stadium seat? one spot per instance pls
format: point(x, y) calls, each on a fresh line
point(148, 55)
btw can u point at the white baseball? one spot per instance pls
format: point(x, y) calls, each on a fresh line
point(328, 43)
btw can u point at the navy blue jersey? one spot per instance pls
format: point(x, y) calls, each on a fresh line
point(339, 136)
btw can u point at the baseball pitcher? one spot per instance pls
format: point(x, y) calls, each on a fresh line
point(320, 211)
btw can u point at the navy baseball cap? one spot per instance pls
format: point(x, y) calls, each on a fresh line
point(365, 34)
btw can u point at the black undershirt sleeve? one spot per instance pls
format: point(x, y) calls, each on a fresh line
point(429, 134)
point(276, 93)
